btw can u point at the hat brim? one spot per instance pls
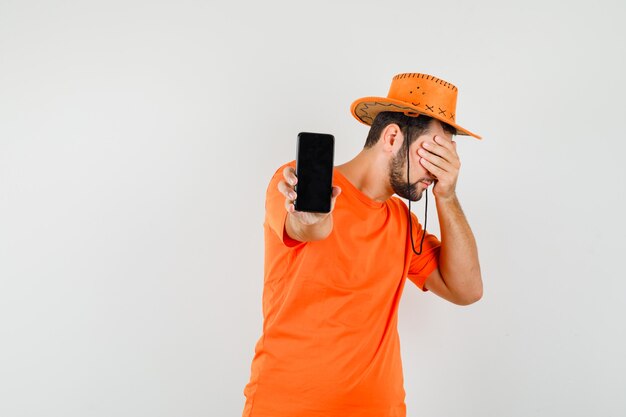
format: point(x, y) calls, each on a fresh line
point(367, 108)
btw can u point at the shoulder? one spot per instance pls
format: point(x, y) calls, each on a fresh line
point(398, 203)
point(401, 207)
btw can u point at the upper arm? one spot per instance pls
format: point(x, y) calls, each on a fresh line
point(421, 266)
point(437, 285)
point(424, 268)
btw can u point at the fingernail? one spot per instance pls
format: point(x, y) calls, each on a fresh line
point(292, 196)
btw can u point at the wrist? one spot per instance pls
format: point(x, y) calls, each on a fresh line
point(447, 199)
point(301, 228)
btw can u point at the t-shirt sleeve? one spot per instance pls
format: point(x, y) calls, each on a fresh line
point(275, 211)
point(422, 265)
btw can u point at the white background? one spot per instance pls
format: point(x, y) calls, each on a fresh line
point(136, 142)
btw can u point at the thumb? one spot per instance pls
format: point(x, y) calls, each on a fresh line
point(334, 195)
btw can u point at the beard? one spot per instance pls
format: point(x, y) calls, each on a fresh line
point(400, 186)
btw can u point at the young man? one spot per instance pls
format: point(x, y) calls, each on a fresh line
point(333, 281)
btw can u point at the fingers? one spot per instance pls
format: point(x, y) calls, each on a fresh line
point(432, 158)
point(439, 157)
point(444, 142)
point(290, 197)
point(441, 153)
point(287, 190)
point(447, 149)
point(439, 147)
point(290, 175)
point(286, 187)
point(432, 168)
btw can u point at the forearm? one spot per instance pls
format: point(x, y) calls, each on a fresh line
point(458, 262)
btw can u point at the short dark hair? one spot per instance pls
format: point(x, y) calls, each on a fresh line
point(411, 127)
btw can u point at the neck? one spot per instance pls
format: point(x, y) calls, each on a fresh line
point(369, 173)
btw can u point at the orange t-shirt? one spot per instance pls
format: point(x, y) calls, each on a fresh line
point(330, 345)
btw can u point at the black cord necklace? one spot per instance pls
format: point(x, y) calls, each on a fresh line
point(408, 183)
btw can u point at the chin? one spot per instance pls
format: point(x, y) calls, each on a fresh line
point(401, 191)
point(418, 198)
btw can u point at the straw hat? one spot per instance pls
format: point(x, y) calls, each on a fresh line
point(413, 94)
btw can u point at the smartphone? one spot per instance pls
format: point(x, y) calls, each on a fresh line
point(314, 169)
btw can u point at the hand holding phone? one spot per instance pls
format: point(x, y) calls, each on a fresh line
point(314, 169)
point(303, 225)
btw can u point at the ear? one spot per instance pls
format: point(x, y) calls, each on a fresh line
point(391, 138)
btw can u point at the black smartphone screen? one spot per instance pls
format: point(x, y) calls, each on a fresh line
point(314, 169)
